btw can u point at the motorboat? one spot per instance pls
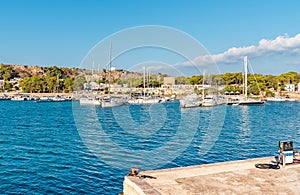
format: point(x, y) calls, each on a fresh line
point(190, 101)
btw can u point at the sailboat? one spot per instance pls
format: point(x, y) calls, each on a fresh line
point(245, 100)
point(208, 100)
point(144, 99)
point(109, 102)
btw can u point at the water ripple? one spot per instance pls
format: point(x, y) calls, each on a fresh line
point(41, 151)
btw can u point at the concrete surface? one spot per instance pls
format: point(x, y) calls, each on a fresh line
point(235, 177)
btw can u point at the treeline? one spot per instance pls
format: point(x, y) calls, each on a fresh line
point(54, 79)
point(234, 81)
point(38, 79)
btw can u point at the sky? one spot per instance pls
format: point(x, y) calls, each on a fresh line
point(63, 32)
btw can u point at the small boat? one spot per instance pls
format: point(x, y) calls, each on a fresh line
point(276, 99)
point(58, 98)
point(146, 101)
point(209, 101)
point(19, 98)
point(45, 99)
point(4, 97)
point(233, 101)
point(110, 102)
point(89, 101)
point(190, 101)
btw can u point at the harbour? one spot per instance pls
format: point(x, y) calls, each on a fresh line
point(44, 151)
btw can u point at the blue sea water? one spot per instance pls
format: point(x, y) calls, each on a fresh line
point(44, 151)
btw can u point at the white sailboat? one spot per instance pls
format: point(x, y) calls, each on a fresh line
point(109, 102)
point(144, 99)
point(245, 100)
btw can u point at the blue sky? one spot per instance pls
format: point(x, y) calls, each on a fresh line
point(62, 32)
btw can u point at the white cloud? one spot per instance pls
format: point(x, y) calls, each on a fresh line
point(280, 45)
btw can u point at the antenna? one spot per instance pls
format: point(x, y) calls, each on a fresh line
point(93, 68)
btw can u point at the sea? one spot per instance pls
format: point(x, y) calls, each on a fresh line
point(68, 148)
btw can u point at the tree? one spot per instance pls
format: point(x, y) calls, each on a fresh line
point(54, 72)
point(182, 80)
point(8, 86)
point(51, 83)
point(68, 85)
point(78, 82)
point(194, 80)
point(5, 72)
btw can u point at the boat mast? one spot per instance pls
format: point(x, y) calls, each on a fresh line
point(109, 69)
point(203, 90)
point(246, 75)
point(144, 81)
point(93, 69)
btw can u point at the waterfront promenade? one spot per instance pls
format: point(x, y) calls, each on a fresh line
point(234, 177)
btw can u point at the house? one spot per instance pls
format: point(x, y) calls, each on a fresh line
point(289, 87)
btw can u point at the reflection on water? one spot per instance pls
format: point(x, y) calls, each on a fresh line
point(243, 127)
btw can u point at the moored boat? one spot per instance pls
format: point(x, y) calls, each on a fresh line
point(190, 101)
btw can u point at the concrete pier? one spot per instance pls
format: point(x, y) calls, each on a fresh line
point(235, 177)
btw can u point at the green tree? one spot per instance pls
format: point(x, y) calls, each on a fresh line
point(78, 82)
point(5, 72)
point(8, 86)
point(195, 80)
point(182, 80)
point(68, 84)
point(51, 83)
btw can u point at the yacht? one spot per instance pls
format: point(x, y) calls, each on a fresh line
point(144, 100)
point(89, 101)
point(109, 102)
point(276, 99)
point(190, 101)
point(209, 101)
point(245, 100)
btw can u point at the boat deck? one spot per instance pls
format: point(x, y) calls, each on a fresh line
point(235, 177)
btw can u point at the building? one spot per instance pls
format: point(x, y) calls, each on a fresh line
point(169, 81)
point(289, 88)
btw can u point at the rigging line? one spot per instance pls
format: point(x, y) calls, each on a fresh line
point(255, 78)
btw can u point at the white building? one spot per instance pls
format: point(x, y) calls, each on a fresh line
point(290, 87)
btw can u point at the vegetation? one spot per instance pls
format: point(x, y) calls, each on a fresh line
point(55, 79)
point(256, 83)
